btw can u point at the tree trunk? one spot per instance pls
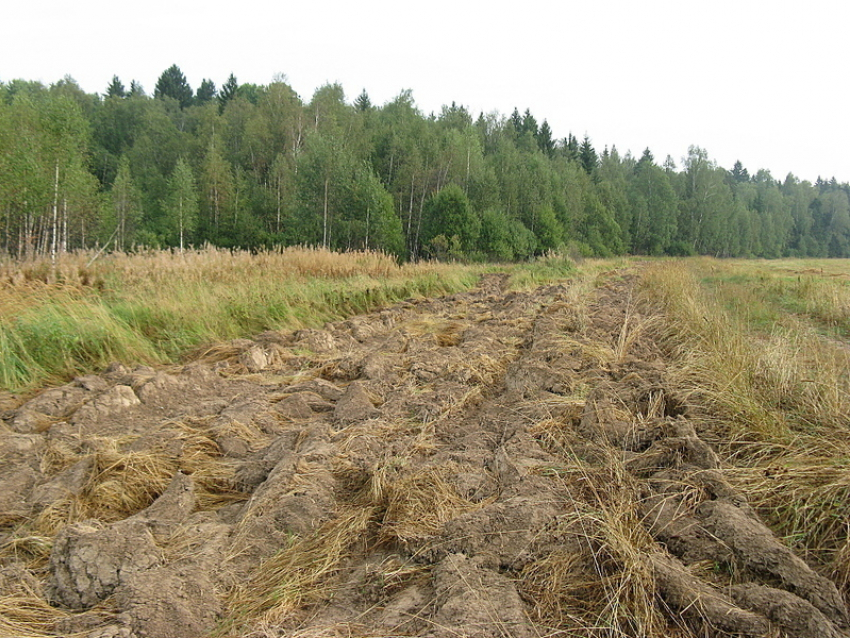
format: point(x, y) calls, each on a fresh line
point(325, 216)
point(368, 209)
point(55, 234)
point(410, 245)
point(279, 201)
point(180, 213)
point(63, 246)
point(466, 180)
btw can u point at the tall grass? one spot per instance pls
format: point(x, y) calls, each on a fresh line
point(77, 315)
point(770, 372)
point(770, 387)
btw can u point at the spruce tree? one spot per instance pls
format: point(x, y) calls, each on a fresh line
point(363, 103)
point(516, 120)
point(544, 139)
point(569, 147)
point(206, 92)
point(172, 83)
point(529, 123)
point(228, 92)
point(136, 89)
point(116, 88)
point(587, 155)
point(739, 173)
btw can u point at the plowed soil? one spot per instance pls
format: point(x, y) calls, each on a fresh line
point(490, 464)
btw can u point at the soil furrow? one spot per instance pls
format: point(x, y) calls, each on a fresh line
point(490, 464)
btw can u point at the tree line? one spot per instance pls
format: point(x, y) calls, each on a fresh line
point(250, 166)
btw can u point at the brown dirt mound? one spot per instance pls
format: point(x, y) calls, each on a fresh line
point(486, 465)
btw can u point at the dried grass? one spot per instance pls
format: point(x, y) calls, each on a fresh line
point(25, 614)
point(300, 575)
point(121, 482)
point(775, 397)
point(776, 385)
point(416, 504)
point(601, 581)
point(804, 500)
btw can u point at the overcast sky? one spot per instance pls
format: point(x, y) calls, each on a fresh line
point(760, 81)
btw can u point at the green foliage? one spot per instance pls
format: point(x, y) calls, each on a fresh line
point(138, 312)
point(370, 219)
point(449, 215)
point(495, 238)
point(587, 156)
point(544, 139)
point(363, 103)
point(272, 169)
point(120, 221)
point(654, 206)
point(181, 205)
point(136, 89)
point(599, 229)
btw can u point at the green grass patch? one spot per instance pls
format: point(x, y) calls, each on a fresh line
point(157, 307)
point(766, 294)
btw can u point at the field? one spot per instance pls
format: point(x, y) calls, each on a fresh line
point(610, 449)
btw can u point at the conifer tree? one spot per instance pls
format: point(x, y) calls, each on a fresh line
point(587, 155)
point(544, 139)
point(516, 120)
point(136, 89)
point(228, 92)
point(206, 92)
point(529, 123)
point(363, 103)
point(172, 83)
point(116, 88)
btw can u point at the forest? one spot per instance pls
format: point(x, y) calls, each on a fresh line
point(250, 166)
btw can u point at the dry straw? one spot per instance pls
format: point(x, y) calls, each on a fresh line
point(299, 575)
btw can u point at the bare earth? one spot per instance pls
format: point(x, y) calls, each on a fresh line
point(490, 464)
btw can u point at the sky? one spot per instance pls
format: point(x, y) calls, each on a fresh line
point(763, 82)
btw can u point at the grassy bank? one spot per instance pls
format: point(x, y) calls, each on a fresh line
point(74, 316)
